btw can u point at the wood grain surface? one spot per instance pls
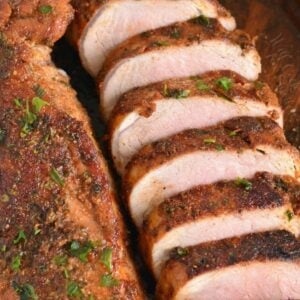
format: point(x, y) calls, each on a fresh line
point(275, 24)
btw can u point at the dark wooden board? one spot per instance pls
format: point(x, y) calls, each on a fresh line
point(276, 26)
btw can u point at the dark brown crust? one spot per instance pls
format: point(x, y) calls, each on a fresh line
point(23, 20)
point(83, 209)
point(85, 10)
point(250, 134)
point(186, 34)
point(259, 247)
point(226, 197)
point(143, 99)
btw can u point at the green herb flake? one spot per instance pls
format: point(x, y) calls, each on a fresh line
point(225, 83)
point(220, 147)
point(2, 135)
point(161, 43)
point(20, 237)
point(258, 85)
point(25, 291)
point(56, 177)
point(39, 91)
point(60, 260)
point(107, 280)
point(46, 9)
point(202, 20)
point(289, 214)
point(74, 290)
point(16, 263)
point(175, 34)
point(28, 120)
point(81, 251)
point(210, 141)
point(3, 248)
point(175, 93)
point(18, 103)
point(38, 104)
point(202, 85)
point(182, 251)
point(4, 198)
point(37, 231)
point(247, 185)
point(233, 133)
point(106, 258)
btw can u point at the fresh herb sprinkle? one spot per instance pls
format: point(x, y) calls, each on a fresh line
point(56, 177)
point(247, 185)
point(46, 9)
point(107, 280)
point(20, 237)
point(225, 83)
point(106, 258)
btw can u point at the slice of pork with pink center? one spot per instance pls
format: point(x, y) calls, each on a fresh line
point(148, 114)
point(238, 148)
point(181, 50)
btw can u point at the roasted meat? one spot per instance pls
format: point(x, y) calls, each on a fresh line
point(181, 50)
point(256, 266)
point(150, 113)
point(100, 26)
point(239, 147)
point(61, 233)
point(217, 211)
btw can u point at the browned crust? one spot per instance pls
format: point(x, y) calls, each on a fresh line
point(142, 100)
point(226, 197)
point(180, 34)
point(85, 10)
point(23, 20)
point(259, 247)
point(30, 199)
point(249, 133)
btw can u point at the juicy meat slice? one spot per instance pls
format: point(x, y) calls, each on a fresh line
point(239, 147)
point(58, 212)
point(218, 211)
point(181, 50)
point(100, 26)
point(256, 266)
point(42, 22)
point(148, 114)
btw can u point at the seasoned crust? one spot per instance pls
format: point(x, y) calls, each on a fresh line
point(234, 135)
point(143, 99)
point(38, 21)
point(180, 34)
point(222, 198)
point(258, 247)
point(54, 185)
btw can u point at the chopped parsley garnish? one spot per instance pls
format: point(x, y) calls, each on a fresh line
point(60, 260)
point(81, 251)
point(234, 133)
point(25, 291)
point(160, 43)
point(56, 177)
point(16, 263)
point(18, 102)
point(202, 20)
point(2, 135)
point(182, 251)
point(37, 231)
point(45, 9)
point(39, 91)
point(4, 198)
point(175, 93)
point(220, 147)
point(210, 141)
point(281, 184)
point(28, 120)
point(74, 290)
point(289, 214)
point(20, 237)
point(3, 248)
point(175, 34)
point(259, 85)
point(106, 258)
point(202, 86)
point(225, 83)
point(38, 104)
point(247, 185)
point(107, 280)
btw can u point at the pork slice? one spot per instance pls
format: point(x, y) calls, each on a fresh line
point(100, 26)
point(181, 50)
point(218, 211)
point(258, 266)
point(148, 114)
point(239, 147)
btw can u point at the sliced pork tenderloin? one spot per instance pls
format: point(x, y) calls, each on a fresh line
point(100, 26)
point(256, 266)
point(239, 147)
point(181, 50)
point(148, 114)
point(218, 211)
